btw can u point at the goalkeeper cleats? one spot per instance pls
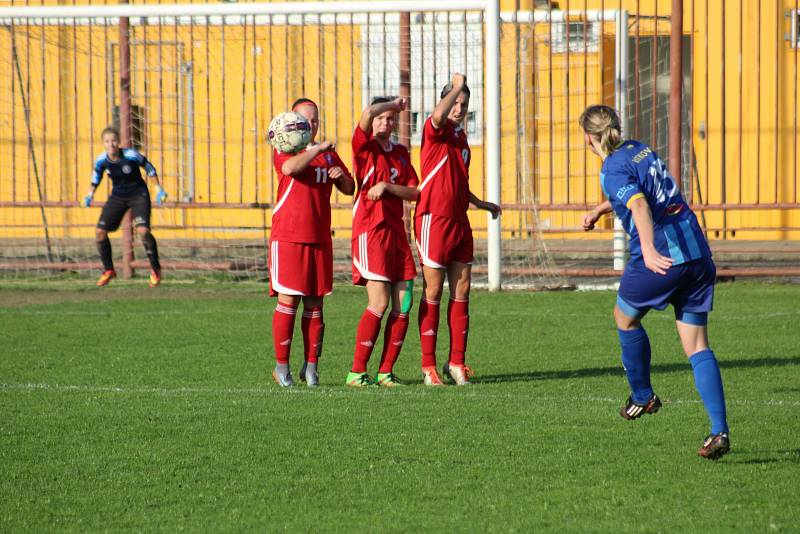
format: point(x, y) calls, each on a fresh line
point(358, 380)
point(459, 374)
point(631, 410)
point(155, 277)
point(284, 380)
point(430, 377)
point(106, 277)
point(387, 380)
point(715, 446)
point(308, 374)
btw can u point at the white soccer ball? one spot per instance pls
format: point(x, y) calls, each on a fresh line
point(289, 132)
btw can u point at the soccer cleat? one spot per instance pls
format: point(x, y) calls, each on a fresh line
point(311, 378)
point(155, 277)
point(283, 380)
point(631, 410)
point(358, 380)
point(106, 277)
point(387, 380)
point(715, 446)
point(430, 377)
point(459, 374)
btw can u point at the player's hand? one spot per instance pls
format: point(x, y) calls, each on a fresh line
point(492, 208)
point(325, 145)
point(161, 195)
point(376, 191)
point(655, 261)
point(589, 220)
point(459, 80)
point(335, 173)
point(400, 104)
point(87, 200)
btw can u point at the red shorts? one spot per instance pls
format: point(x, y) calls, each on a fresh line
point(304, 269)
point(382, 254)
point(441, 241)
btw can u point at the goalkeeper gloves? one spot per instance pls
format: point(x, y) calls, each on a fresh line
point(161, 195)
point(87, 200)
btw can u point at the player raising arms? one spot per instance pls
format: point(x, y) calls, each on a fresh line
point(670, 264)
point(443, 232)
point(129, 191)
point(382, 259)
point(301, 251)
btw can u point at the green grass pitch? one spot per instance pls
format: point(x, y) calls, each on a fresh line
point(127, 409)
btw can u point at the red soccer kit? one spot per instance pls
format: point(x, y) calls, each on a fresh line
point(441, 226)
point(301, 252)
point(379, 244)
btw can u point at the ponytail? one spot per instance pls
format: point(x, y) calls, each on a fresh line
point(602, 122)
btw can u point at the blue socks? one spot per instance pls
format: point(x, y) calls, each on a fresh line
point(636, 360)
point(708, 382)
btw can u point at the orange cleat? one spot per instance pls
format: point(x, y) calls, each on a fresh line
point(106, 277)
point(431, 377)
point(155, 278)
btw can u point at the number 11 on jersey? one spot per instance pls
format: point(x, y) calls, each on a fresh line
point(322, 175)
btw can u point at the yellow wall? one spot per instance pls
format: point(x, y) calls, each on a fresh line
point(65, 142)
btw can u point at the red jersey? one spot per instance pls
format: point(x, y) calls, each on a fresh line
point(303, 211)
point(445, 158)
point(373, 164)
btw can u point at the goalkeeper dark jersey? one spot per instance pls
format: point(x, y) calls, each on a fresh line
point(126, 178)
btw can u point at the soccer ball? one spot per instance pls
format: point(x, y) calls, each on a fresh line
point(289, 132)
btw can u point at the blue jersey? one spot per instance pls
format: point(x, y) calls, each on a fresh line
point(635, 171)
point(124, 172)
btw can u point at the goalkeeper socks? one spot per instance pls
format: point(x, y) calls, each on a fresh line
point(313, 328)
point(104, 248)
point(458, 322)
point(393, 337)
point(708, 382)
point(368, 329)
point(151, 249)
point(636, 360)
point(428, 330)
point(282, 329)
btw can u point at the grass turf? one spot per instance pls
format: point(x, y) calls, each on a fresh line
point(129, 409)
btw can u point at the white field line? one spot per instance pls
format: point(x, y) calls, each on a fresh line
point(476, 391)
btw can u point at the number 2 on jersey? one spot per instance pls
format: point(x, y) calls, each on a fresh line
point(465, 155)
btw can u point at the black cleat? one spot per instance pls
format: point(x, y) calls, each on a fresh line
point(715, 446)
point(631, 410)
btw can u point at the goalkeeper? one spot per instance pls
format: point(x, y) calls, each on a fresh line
point(129, 191)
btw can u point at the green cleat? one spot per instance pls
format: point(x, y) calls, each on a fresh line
point(387, 380)
point(358, 380)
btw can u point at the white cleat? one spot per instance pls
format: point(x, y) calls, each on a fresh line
point(459, 374)
point(430, 377)
point(283, 380)
point(311, 378)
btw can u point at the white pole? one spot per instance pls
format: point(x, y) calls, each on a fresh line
point(620, 102)
point(492, 152)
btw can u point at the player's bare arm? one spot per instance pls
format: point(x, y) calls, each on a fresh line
point(401, 191)
point(442, 109)
point(591, 218)
point(342, 180)
point(491, 207)
point(370, 112)
point(643, 219)
point(298, 163)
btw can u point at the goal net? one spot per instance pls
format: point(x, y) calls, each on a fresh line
point(205, 82)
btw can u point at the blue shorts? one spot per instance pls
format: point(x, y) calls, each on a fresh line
point(689, 287)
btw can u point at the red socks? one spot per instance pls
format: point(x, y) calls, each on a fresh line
point(393, 337)
point(458, 322)
point(428, 330)
point(368, 329)
point(282, 329)
point(313, 328)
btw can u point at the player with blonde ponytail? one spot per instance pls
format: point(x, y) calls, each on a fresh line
point(670, 264)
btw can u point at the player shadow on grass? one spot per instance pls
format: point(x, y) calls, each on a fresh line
point(781, 456)
point(617, 370)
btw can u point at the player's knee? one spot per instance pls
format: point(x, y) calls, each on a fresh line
point(100, 234)
point(625, 321)
point(143, 231)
